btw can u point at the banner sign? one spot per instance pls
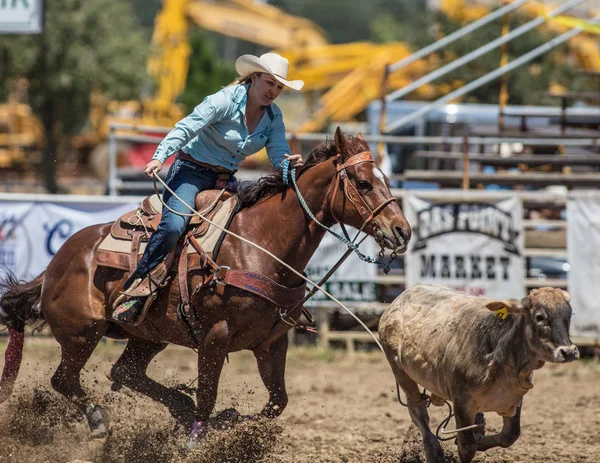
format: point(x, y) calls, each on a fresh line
point(31, 233)
point(583, 255)
point(21, 16)
point(473, 247)
point(354, 280)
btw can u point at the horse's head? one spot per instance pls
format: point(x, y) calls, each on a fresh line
point(361, 195)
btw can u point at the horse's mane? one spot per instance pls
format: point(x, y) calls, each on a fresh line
point(265, 187)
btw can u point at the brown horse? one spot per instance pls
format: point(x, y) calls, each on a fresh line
point(74, 295)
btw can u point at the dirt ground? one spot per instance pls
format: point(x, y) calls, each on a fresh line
point(341, 409)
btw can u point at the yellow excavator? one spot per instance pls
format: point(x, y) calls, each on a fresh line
point(584, 47)
point(21, 133)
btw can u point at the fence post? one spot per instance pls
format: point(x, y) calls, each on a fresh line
point(323, 327)
point(112, 162)
point(465, 179)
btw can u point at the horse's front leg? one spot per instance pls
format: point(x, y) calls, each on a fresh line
point(271, 366)
point(211, 357)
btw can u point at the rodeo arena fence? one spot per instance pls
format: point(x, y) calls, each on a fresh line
point(498, 244)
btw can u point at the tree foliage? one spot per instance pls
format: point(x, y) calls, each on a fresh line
point(85, 45)
point(207, 73)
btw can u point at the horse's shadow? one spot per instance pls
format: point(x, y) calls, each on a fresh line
point(179, 404)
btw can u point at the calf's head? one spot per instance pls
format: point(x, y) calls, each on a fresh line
point(547, 315)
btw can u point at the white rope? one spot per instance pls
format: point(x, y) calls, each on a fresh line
point(453, 431)
point(308, 280)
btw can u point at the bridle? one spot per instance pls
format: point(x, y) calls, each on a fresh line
point(352, 193)
point(363, 209)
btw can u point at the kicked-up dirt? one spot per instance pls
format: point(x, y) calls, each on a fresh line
point(341, 409)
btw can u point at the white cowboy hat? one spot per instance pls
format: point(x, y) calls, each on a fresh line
point(271, 63)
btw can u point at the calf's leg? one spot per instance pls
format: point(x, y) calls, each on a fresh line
point(464, 416)
point(417, 408)
point(511, 430)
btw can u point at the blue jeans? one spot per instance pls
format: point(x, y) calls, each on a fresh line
point(186, 179)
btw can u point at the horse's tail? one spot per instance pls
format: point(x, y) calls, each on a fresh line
point(19, 304)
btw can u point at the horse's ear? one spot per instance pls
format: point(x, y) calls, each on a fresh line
point(340, 141)
point(360, 137)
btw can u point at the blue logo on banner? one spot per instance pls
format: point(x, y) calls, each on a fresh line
point(61, 230)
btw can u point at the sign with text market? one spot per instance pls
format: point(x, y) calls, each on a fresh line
point(472, 247)
point(21, 16)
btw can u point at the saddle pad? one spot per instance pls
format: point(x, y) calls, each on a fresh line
point(207, 241)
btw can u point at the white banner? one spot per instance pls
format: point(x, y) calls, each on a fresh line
point(21, 16)
point(472, 247)
point(354, 280)
point(31, 232)
point(583, 255)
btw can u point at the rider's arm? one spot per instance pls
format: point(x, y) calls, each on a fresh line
point(277, 146)
point(212, 109)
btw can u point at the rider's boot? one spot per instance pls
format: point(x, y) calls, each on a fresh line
point(133, 303)
point(127, 308)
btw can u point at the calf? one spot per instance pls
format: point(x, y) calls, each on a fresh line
point(477, 352)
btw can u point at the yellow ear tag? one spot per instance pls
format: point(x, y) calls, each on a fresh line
point(501, 313)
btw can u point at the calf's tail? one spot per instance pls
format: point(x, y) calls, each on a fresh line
point(19, 305)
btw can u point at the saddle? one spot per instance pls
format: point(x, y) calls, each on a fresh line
point(129, 234)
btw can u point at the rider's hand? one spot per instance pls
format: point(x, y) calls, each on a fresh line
point(153, 166)
point(295, 160)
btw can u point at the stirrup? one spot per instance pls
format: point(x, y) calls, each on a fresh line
point(124, 295)
point(150, 284)
point(134, 314)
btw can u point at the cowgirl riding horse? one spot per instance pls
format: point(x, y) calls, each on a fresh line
point(210, 145)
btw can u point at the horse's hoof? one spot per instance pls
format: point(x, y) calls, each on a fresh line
point(97, 421)
point(199, 431)
point(229, 414)
point(191, 444)
point(99, 433)
point(194, 442)
point(116, 386)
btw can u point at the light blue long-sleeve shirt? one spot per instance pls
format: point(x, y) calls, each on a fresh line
point(215, 132)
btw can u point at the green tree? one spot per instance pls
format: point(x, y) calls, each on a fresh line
point(85, 45)
point(207, 72)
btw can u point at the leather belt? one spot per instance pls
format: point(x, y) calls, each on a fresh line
point(216, 169)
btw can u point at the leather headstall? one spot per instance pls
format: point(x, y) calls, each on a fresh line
point(350, 190)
